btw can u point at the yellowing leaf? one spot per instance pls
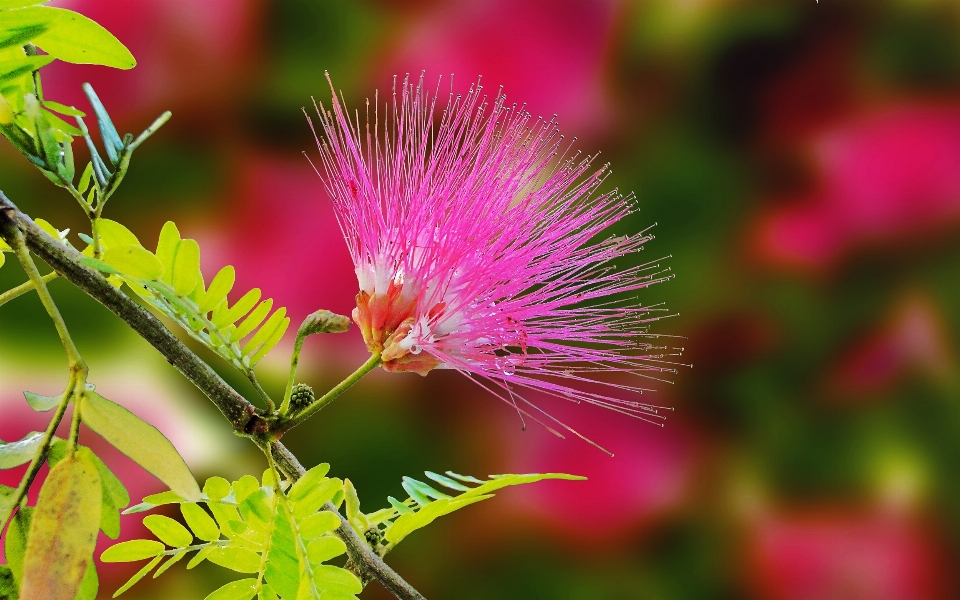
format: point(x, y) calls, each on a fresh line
point(140, 441)
point(74, 38)
point(133, 261)
point(63, 531)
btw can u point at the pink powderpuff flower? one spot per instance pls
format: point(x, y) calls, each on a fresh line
point(474, 242)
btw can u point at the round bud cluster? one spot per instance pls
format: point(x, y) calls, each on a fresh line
point(301, 397)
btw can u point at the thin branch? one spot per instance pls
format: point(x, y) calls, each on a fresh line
point(241, 413)
point(369, 565)
point(24, 287)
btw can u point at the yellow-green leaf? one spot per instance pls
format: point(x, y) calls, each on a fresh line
point(238, 559)
point(253, 320)
point(63, 531)
point(242, 589)
point(167, 247)
point(318, 524)
point(133, 261)
point(219, 288)
point(17, 453)
point(271, 341)
point(240, 308)
point(132, 551)
point(113, 233)
point(140, 441)
point(216, 488)
point(168, 531)
point(186, 267)
point(139, 575)
point(200, 522)
point(323, 549)
point(74, 38)
point(334, 580)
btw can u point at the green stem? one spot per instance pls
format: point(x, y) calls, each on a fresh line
point(74, 423)
point(321, 402)
point(73, 355)
point(23, 288)
point(259, 388)
point(294, 359)
point(41, 454)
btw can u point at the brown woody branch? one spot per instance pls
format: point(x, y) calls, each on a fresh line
point(245, 418)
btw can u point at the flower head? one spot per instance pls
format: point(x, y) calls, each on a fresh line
point(473, 234)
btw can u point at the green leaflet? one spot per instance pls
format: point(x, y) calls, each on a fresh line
point(63, 531)
point(171, 281)
point(15, 545)
point(131, 551)
point(39, 402)
point(17, 453)
point(253, 530)
point(243, 589)
point(140, 441)
point(426, 503)
point(74, 38)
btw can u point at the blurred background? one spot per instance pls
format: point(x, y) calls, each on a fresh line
point(802, 162)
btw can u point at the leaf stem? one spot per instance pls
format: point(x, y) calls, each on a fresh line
point(321, 402)
point(294, 360)
point(24, 287)
point(41, 454)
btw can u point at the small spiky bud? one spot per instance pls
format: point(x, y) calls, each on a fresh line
point(301, 397)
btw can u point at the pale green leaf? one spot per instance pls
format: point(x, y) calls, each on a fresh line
point(63, 531)
point(237, 559)
point(41, 403)
point(400, 507)
point(133, 261)
point(153, 501)
point(186, 267)
point(334, 580)
point(269, 327)
point(303, 486)
point(17, 453)
point(253, 320)
point(242, 589)
point(216, 488)
point(74, 38)
point(113, 233)
point(267, 593)
point(352, 502)
point(501, 481)
point(318, 495)
point(240, 308)
point(131, 551)
point(219, 288)
point(140, 441)
point(424, 489)
point(139, 575)
point(202, 524)
point(224, 514)
point(245, 486)
point(464, 478)
point(273, 339)
point(318, 524)
point(283, 567)
point(408, 523)
point(174, 559)
point(168, 531)
point(21, 65)
point(63, 110)
point(323, 549)
point(167, 247)
point(447, 482)
point(199, 557)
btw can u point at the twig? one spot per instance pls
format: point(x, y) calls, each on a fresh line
point(369, 565)
point(241, 413)
point(23, 288)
